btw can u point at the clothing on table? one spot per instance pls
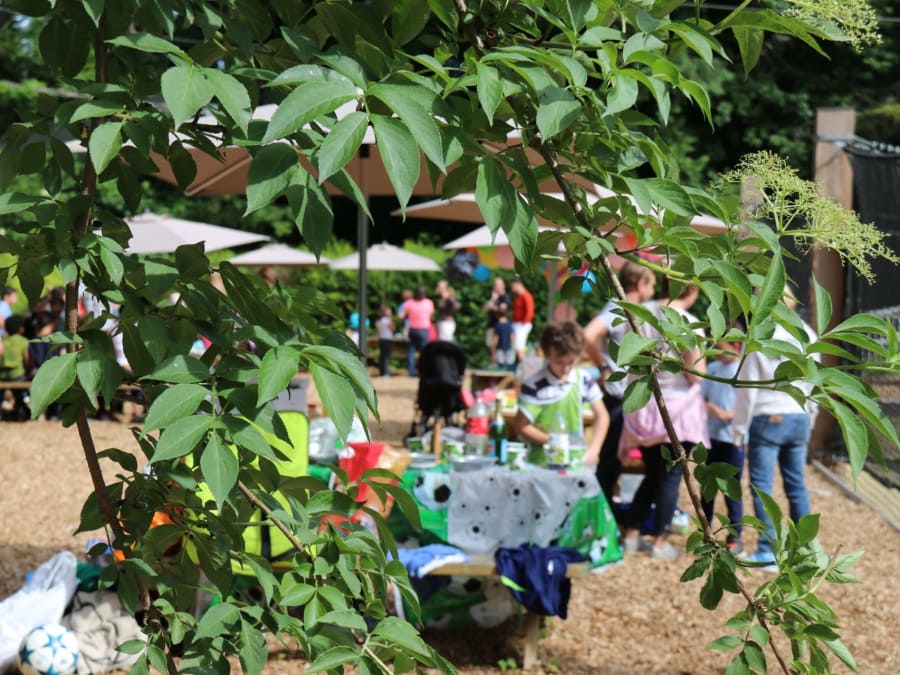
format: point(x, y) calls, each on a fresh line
point(538, 577)
point(775, 429)
point(543, 397)
point(505, 354)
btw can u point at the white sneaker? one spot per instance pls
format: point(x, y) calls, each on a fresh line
point(665, 552)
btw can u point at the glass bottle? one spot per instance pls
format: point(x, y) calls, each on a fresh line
point(497, 434)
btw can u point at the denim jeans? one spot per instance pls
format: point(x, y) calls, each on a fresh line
point(727, 453)
point(418, 338)
point(782, 439)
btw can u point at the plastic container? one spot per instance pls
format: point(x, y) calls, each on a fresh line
point(477, 423)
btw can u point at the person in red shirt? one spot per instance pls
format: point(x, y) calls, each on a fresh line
point(522, 315)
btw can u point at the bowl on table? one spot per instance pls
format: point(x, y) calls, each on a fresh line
point(422, 460)
point(472, 462)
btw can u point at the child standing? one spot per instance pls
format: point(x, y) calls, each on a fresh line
point(14, 362)
point(385, 329)
point(720, 402)
point(559, 389)
point(503, 340)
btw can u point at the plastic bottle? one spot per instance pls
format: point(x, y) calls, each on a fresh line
point(477, 427)
point(497, 434)
point(558, 445)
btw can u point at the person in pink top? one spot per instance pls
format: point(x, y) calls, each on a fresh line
point(417, 311)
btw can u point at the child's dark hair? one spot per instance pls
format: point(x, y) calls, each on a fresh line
point(14, 323)
point(563, 337)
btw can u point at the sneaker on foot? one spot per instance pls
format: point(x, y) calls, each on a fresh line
point(736, 547)
point(635, 545)
point(665, 552)
point(763, 561)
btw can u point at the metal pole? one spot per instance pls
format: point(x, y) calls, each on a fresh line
point(362, 244)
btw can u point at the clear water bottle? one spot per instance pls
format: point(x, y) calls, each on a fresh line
point(477, 422)
point(558, 445)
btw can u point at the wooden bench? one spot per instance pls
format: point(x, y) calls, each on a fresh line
point(483, 566)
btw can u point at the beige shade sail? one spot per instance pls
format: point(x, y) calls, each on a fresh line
point(277, 255)
point(159, 233)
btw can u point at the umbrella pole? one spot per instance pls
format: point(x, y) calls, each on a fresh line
point(362, 245)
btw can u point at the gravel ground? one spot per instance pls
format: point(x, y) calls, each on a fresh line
point(633, 618)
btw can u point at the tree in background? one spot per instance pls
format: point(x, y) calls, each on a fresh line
point(442, 84)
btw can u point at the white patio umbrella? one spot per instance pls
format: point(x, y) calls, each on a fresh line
point(159, 233)
point(387, 258)
point(278, 254)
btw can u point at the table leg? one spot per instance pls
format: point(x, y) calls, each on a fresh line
point(532, 635)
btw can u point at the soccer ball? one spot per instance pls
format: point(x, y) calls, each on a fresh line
point(50, 649)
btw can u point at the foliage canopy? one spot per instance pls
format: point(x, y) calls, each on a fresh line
point(496, 97)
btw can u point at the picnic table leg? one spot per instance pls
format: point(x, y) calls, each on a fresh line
point(532, 635)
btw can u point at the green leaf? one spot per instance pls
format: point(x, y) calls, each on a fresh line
point(104, 144)
point(856, 437)
point(295, 594)
point(217, 620)
point(314, 215)
point(51, 381)
point(694, 39)
point(489, 88)
point(822, 300)
point(408, 18)
point(341, 144)
point(772, 290)
point(94, 10)
point(254, 648)
point(840, 650)
point(637, 395)
point(232, 95)
point(807, 528)
point(185, 90)
point(145, 42)
point(219, 464)
point(414, 111)
point(182, 437)
point(337, 396)
point(711, 593)
point(725, 643)
point(344, 618)
point(750, 43)
point(307, 102)
point(399, 153)
point(271, 172)
point(278, 368)
point(632, 345)
point(699, 94)
point(173, 404)
point(402, 634)
point(333, 658)
point(597, 36)
point(623, 94)
point(16, 202)
point(180, 368)
point(557, 111)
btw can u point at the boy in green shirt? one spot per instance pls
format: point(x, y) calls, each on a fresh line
point(14, 360)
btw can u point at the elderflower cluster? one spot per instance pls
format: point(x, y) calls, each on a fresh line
point(855, 18)
point(799, 210)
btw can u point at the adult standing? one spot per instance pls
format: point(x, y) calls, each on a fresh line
point(447, 307)
point(775, 429)
point(417, 310)
point(522, 315)
point(644, 429)
point(498, 301)
point(607, 327)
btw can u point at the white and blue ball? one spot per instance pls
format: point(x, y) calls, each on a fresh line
point(50, 649)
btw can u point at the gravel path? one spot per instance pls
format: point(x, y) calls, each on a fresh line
point(633, 618)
